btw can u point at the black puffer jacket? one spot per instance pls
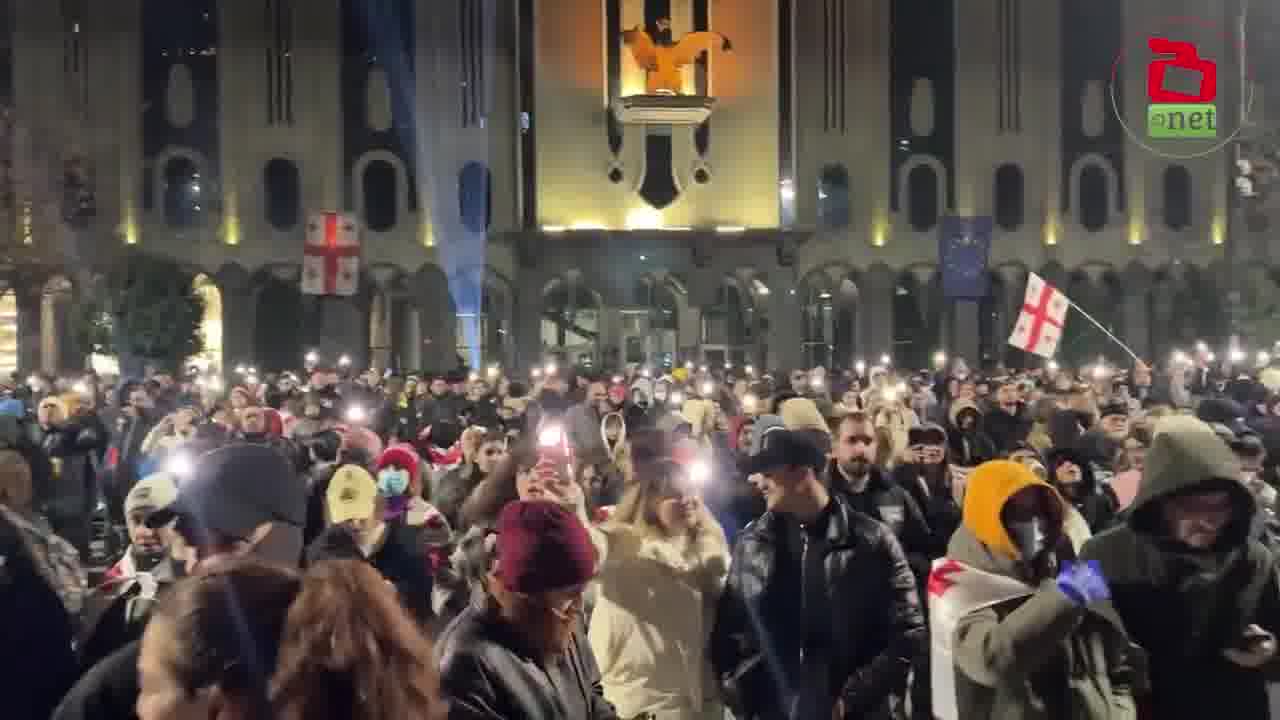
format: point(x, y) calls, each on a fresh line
point(485, 673)
point(855, 630)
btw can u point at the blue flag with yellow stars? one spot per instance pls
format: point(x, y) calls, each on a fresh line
point(964, 247)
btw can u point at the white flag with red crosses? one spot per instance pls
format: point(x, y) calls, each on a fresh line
point(331, 256)
point(1044, 310)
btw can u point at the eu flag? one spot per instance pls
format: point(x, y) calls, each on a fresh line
point(963, 249)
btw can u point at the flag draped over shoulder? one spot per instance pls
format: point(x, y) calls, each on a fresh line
point(963, 249)
point(956, 590)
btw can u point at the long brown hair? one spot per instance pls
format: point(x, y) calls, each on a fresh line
point(495, 491)
point(655, 481)
point(334, 643)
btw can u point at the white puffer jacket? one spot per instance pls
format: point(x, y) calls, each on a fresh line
point(653, 617)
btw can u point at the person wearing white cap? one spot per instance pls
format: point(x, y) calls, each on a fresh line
point(117, 610)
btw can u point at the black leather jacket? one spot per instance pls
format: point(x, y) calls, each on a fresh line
point(869, 624)
point(486, 675)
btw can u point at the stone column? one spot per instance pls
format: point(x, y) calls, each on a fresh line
point(527, 317)
point(1162, 302)
point(1135, 316)
point(786, 331)
point(239, 315)
point(380, 333)
point(29, 326)
point(344, 329)
point(50, 345)
point(409, 332)
point(876, 312)
point(967, 337)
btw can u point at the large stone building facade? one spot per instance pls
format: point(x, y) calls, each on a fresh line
point(512, 207)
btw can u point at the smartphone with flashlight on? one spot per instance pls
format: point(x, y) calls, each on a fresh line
point(554, 450)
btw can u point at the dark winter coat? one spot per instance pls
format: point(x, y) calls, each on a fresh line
point(1185, 606)
point(37, 665)
point(487, 674)
point(1006, 431)
point(850, 632)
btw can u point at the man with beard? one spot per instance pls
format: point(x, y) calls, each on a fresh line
point(1191, 587)
point(523, 654)
point(582, 422)
point(1006, 423)
point(854, 475)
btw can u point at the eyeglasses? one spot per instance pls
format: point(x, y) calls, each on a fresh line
point(564, 604)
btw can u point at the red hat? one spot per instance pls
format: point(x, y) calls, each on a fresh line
point(542, 546)
point(401, 456)
point(275, 423)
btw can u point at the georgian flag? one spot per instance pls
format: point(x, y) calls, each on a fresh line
point(331, 257)
point(1044, 310)
point(956, 590)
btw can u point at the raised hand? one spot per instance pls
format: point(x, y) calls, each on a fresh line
point(1083, 582)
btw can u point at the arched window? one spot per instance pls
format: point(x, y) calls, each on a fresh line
point(1177, 197)
point(183, 192)
point(282, 185)
point(922, 191)
point(474, 205)
point(833, 197)
point(381, 195)
point(1095, 198)
point(1009, 197)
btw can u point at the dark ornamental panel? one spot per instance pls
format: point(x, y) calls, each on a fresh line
point(180, 43)
point(379, 85)
point(1092, 37)
point(922, 47)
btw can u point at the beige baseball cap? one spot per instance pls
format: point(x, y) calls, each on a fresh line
point(352, 495)
point(155, 492)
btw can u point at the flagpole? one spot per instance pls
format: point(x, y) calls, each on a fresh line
point(1107, 332)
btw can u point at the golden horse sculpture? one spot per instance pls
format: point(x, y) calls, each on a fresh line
point(662, 61)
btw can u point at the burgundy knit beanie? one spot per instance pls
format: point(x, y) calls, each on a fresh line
point(541, 547)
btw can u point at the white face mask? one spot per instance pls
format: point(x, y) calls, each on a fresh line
point(1028, 536)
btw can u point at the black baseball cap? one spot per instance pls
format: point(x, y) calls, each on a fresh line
point(232, 491)
point(926, 435)
point(785, 448)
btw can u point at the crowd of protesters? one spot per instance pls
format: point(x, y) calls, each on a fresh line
point(679, 543)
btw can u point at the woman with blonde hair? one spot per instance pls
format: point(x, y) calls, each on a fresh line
point(257, 642)
point(662, 560)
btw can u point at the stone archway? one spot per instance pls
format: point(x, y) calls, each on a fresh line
point(571, 320)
